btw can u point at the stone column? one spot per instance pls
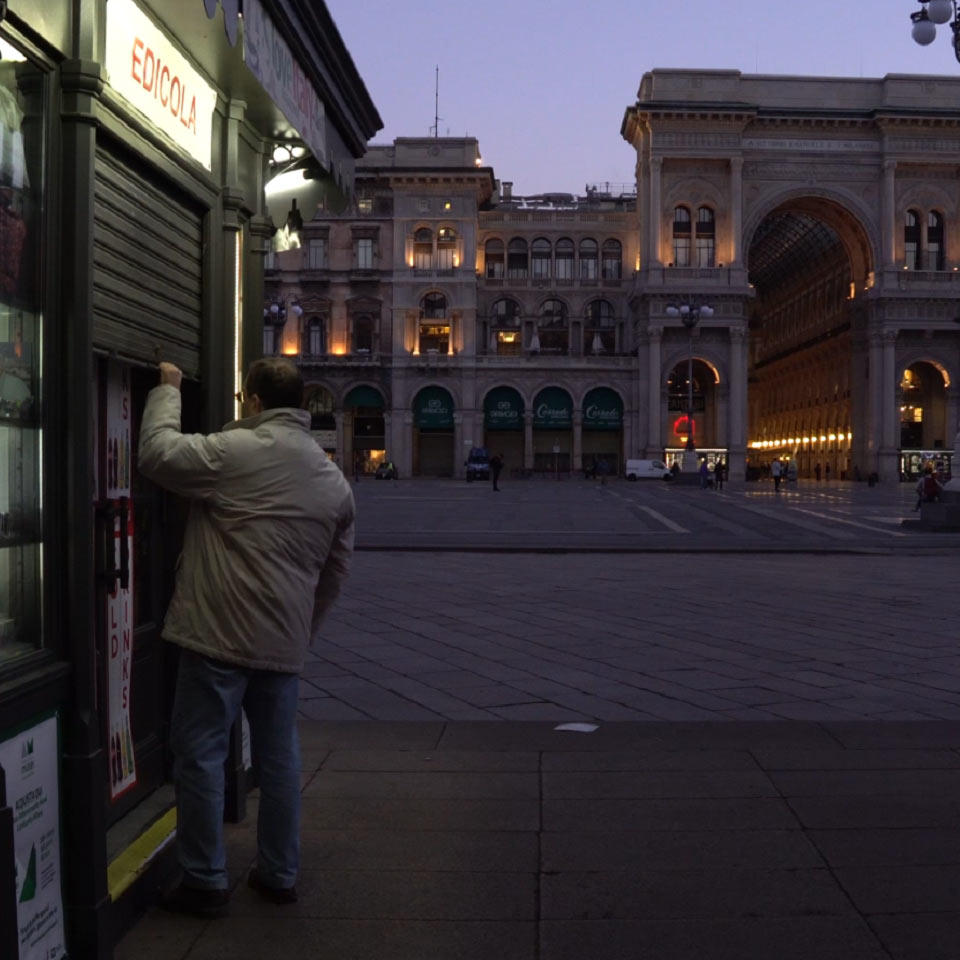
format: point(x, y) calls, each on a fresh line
point(404, 427)
point(654, 412)
point(737, 406)
point(388, 435)
point(875, 386)
point(459, 470)
point(889, 224)
point(736, 210)
point(577, 441)
point(656, 214)
point(889, 445)
point(528, 440)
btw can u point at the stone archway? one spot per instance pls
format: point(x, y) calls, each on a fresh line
point(809, 258)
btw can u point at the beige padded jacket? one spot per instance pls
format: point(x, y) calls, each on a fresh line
point(269, 538)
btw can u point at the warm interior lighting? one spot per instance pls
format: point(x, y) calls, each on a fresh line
point(339, 350)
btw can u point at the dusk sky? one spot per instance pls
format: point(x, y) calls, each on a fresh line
point(543, 84)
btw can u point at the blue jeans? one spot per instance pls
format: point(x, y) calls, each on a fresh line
point(207, 703)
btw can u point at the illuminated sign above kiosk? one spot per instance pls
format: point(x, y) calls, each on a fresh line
point(148, 71)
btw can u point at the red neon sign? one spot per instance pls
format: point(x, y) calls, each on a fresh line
point(684, 427)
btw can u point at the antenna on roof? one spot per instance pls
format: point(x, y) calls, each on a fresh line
point(436, 104)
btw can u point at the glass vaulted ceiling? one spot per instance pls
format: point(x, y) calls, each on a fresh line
point(787, 245)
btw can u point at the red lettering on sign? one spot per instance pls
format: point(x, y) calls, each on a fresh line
point(176, 94)
point(149, 70)
point(114, 646)
point(164, 96)
point(126, 640)
point(137, 48)
point(124, 699)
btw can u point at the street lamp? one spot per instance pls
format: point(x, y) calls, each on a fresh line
point(931, 13)
point(690, 314)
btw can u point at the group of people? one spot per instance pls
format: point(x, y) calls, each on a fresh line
point(780, 471)
point(710, 479)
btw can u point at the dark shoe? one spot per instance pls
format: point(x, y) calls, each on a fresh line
point(280, 895)
point(196, 901)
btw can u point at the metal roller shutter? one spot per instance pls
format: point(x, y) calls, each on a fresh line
point(436, 454)
point(147, 266)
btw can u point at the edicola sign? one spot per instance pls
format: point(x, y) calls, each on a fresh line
point(149, 72)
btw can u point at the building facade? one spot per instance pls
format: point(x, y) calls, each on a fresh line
point(818, 218)
point(136, 141)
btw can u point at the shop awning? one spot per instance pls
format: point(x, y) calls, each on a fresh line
point(553, 409)
point(503, 409)
point(433, 409)
point(602, 410)
point(363, 396)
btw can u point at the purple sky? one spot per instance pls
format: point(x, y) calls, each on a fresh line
point(543, 84)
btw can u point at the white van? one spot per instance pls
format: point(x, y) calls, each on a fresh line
point(647, 470)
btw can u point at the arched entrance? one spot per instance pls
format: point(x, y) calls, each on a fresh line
point(923, 408)
point(809, 260)
point(552, 431)
point(602, 435)
point(705, 425)
point(503, 425)
point(323, 425)
point(433, 433)
point(364, 423)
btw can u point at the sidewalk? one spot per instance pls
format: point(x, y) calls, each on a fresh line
point(639, 841)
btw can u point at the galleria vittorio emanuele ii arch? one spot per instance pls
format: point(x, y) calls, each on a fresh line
point(819, 219)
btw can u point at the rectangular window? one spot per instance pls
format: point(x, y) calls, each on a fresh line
point(588, 268)
point(316, 339)
point(363, 253)
point(434, 337)
point(445, 253)
point(704, 252)
point(564, 268)
point(423, 205)
point(910, 255)
point(423, 256)
point(681, 251)
point(365, 205)
point(611, 268)
point(317, 254)
point(933, 256)
point(541, 268)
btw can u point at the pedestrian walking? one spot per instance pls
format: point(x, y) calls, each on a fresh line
point(704, 475)
point(268, 543)
point(718, 475)
point(776, 471)
point(602, 468)
point(496, 465)
point(826, 472)
point(816, 472)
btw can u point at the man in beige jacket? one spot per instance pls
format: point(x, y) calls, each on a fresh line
point(268, 543)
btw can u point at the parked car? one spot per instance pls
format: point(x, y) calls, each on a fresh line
point(647, 470)
point(386, 471)
point(478, 464)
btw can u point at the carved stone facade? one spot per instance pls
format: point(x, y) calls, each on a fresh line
point(820, 218)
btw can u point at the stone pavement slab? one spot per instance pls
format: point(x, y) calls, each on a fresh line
point(714, 841)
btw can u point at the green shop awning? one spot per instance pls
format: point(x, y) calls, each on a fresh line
point(433, 409)
point(503, 409)
point(553, 409)
point(602, 410)
point(363, 396)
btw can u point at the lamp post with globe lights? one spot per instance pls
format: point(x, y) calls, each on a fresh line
point(689, 313)
point(931, 14)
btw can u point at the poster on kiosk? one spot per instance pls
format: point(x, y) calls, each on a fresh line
point(114, 464)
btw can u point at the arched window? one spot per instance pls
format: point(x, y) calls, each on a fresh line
point(564, 259)
point(934, 241)
point(588, 259)
point(505, 313)
point(434, 333)
point(506, 336)
point(316, 336)
point(541, 259)
point(517, 259)
point(423, 249)
point(433, 307)
point(706, 236)
point(911, 240)
point(612, 262)
point(493, 257)
point(363, 333)
point(319, 402)
point(681, 237)
point(446, 248)
point(552, 328)
point(599, 328)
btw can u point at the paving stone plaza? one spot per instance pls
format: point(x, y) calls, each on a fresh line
point(767, 763)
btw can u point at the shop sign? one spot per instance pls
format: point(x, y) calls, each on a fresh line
point(553, 409)
point(147, 70)
point(503, 410)
point(272, 62)
point(602, 410)
point(31, 762)
point(433, 410)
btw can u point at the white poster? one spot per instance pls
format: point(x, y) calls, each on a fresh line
point(31, 762)
point(123, 770)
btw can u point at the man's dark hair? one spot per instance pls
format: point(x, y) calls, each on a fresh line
point(277, 382)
